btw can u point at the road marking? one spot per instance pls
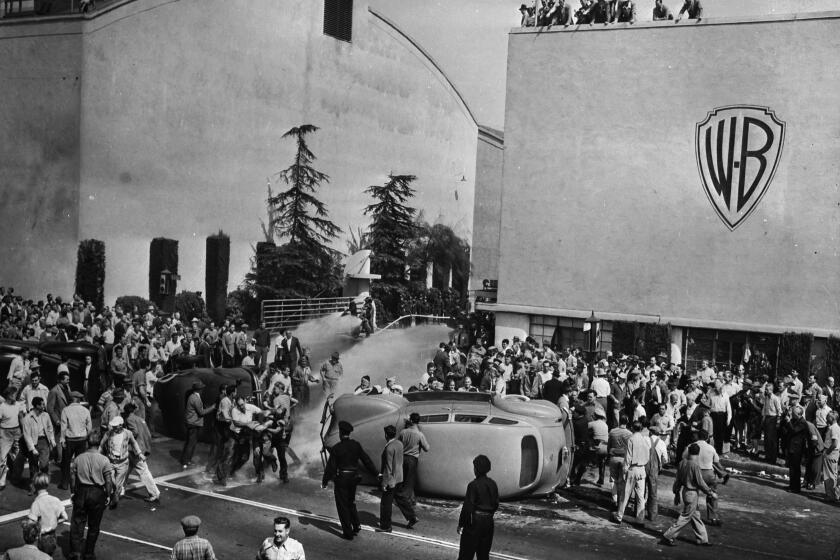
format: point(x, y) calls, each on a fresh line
point(130, 539)
point(9, 517)
point(760, 552)
point(331, 520)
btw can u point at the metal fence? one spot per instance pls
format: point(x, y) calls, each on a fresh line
point(281, 314)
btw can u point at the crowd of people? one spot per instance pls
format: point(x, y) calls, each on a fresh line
point(629, 417)
point(547, 13)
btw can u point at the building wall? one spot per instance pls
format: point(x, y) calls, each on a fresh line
point(40, 70)
point(488, 207)
point(601, 177)
point(183, 105)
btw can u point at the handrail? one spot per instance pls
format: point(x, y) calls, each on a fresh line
point(413, 317)
point(280, 314)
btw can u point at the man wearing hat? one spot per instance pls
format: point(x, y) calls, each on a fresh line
point(118, 445)
point(194, 414)
point(91, 485)
point(331, 373)
point(343, 469)
point(74, 428)
point(192, 547)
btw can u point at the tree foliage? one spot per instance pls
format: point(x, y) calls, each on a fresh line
point(439, 245)
point(190, 305)
point(392, 228)
point(298, 216)
point(302, 264)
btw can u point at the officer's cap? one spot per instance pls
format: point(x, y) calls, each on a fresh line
point(345, 427)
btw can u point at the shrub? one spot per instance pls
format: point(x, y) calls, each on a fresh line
point(133, 304)
point(190, 305)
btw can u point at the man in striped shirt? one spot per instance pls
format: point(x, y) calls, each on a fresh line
point(192, 547)
point(39, 437)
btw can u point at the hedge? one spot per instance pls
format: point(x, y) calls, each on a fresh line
point(216, 275)
point(90, 272)
point(795, 352)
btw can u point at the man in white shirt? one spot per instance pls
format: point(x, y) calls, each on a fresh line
point(241, 417)
point(795, 381)
point(706, 373)
point(281, 546)
point(547, 371)
point(34, 389)
point(18, 370)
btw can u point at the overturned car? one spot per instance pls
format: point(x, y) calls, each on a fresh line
point(528, 442)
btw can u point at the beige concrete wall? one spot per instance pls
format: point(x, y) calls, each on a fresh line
point(186, 103)
point(488, 208)
point(182, 106)
point(40, 81)
point(601, 178)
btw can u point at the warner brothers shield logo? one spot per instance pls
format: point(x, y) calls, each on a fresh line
point(738, 149)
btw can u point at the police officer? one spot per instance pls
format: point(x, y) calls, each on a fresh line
point(342, 468)
point(476, 522)
point(91, 485)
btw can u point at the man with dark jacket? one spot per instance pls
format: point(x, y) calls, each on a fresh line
point(194, 414)
point(342, 467)
point(475, 524)
point(288, 350)
point(797, 442)
point(553, 388)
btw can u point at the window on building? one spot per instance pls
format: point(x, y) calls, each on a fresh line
point(727, 349)
point(338, 19)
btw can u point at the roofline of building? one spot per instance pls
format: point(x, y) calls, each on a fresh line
point(429, 58)
point(599, 27)
point(492, 136)
point(644, 318)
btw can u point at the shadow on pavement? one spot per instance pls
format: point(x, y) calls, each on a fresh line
point(321, 526)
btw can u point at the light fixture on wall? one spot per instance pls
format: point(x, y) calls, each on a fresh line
point(463, 179)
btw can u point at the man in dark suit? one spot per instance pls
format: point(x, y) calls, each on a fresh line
point(288, 350)
point(57, 399)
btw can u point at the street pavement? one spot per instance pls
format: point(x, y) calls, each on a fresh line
point(761, 520)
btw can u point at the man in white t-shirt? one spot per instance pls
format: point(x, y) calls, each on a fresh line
point(281, 545)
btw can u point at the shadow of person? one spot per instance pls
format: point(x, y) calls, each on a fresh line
point(325, 526)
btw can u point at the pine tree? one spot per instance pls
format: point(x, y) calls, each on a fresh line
point(392, 228)
point(307, 265)
point(292, 209)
